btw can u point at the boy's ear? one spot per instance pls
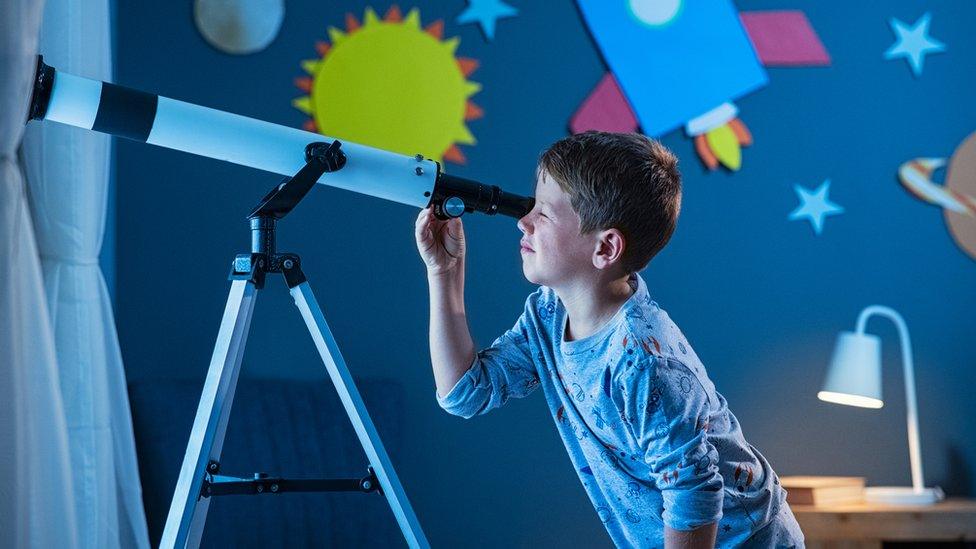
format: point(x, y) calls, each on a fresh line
point(610, 246)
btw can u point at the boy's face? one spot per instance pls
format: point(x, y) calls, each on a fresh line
point(553, 251)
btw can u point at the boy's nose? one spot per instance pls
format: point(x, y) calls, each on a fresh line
point(522, 225)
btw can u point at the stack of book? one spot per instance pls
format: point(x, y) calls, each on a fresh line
point(823, 490)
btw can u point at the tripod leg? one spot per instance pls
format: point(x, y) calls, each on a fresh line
point(188, 511)
point(356, 410)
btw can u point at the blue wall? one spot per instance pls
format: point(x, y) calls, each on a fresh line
point(760, 297)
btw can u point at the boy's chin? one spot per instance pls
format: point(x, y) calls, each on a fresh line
point(531, 275)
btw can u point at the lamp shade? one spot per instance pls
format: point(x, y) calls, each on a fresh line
point(854, 377)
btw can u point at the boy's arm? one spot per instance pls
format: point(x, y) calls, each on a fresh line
point(441, 245)
point(467, 384)
point(702, 537)
point(451, 347)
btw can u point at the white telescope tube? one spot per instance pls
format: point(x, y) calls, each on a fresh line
point(125, 112)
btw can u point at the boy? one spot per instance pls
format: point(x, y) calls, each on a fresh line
point(659, 453)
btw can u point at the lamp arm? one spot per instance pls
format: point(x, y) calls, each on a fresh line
point(918, 482)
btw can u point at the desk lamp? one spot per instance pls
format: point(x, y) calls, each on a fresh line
point(854, 379)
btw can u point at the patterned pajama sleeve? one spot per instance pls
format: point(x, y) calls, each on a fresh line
point(666, 409)
point(504, 370)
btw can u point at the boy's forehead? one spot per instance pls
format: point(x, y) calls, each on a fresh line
point(547, 190)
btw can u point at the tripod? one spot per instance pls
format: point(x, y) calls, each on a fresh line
point(199, 480)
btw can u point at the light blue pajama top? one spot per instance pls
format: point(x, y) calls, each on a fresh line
point(651, 439)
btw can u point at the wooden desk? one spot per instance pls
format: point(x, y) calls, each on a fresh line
point(867, 525)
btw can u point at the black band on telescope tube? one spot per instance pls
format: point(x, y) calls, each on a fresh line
point(41, 96)
point(125, 112)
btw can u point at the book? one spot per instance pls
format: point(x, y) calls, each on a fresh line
point(815, 490)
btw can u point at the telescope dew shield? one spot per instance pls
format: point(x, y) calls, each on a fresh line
point(133, 114)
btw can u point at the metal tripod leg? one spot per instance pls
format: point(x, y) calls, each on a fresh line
point(188, 511)
point(356, 410)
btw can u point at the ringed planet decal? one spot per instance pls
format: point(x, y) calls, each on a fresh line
point(956, 198)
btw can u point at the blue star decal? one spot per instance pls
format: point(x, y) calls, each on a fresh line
point(486, 13)
point(913, 42)
point(815, 206)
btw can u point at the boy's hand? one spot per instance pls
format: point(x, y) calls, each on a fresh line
point(441, 243)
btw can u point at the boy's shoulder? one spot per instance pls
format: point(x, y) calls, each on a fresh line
point(652, 335)
point(658, 348)
point(649, 329)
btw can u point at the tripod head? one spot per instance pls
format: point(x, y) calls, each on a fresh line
point(320, 158)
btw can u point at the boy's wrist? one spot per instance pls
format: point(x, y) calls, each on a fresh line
point(447, 290)
point(449, 275)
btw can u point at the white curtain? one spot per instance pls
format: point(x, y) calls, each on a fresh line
point(68, 175)
point(36, 507)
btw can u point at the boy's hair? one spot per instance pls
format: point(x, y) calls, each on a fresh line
point(624, 181)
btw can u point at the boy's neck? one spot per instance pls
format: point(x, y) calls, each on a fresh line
point(590, 304)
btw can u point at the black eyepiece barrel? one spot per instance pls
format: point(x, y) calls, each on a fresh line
point(514, 205)
point(454, 196)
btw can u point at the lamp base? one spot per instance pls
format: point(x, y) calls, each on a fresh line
point(898, 495)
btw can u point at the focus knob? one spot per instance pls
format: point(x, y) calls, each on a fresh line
point(454, 207)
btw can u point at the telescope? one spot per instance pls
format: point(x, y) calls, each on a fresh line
point(125, 112)
point(305, 158)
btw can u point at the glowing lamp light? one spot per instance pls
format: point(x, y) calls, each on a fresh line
point(854, 377)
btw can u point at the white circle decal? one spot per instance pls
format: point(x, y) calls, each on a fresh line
point(655, 12)
point(239, 26)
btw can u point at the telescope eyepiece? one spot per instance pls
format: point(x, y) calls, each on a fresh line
point(454, 196)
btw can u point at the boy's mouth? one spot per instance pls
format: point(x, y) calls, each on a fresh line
point(526, 247)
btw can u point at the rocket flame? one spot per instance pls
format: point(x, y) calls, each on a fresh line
point(723, 145)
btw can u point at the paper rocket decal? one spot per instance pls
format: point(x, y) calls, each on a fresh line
point(708, 53)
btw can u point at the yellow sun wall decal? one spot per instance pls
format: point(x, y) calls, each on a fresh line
point(389, 84)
